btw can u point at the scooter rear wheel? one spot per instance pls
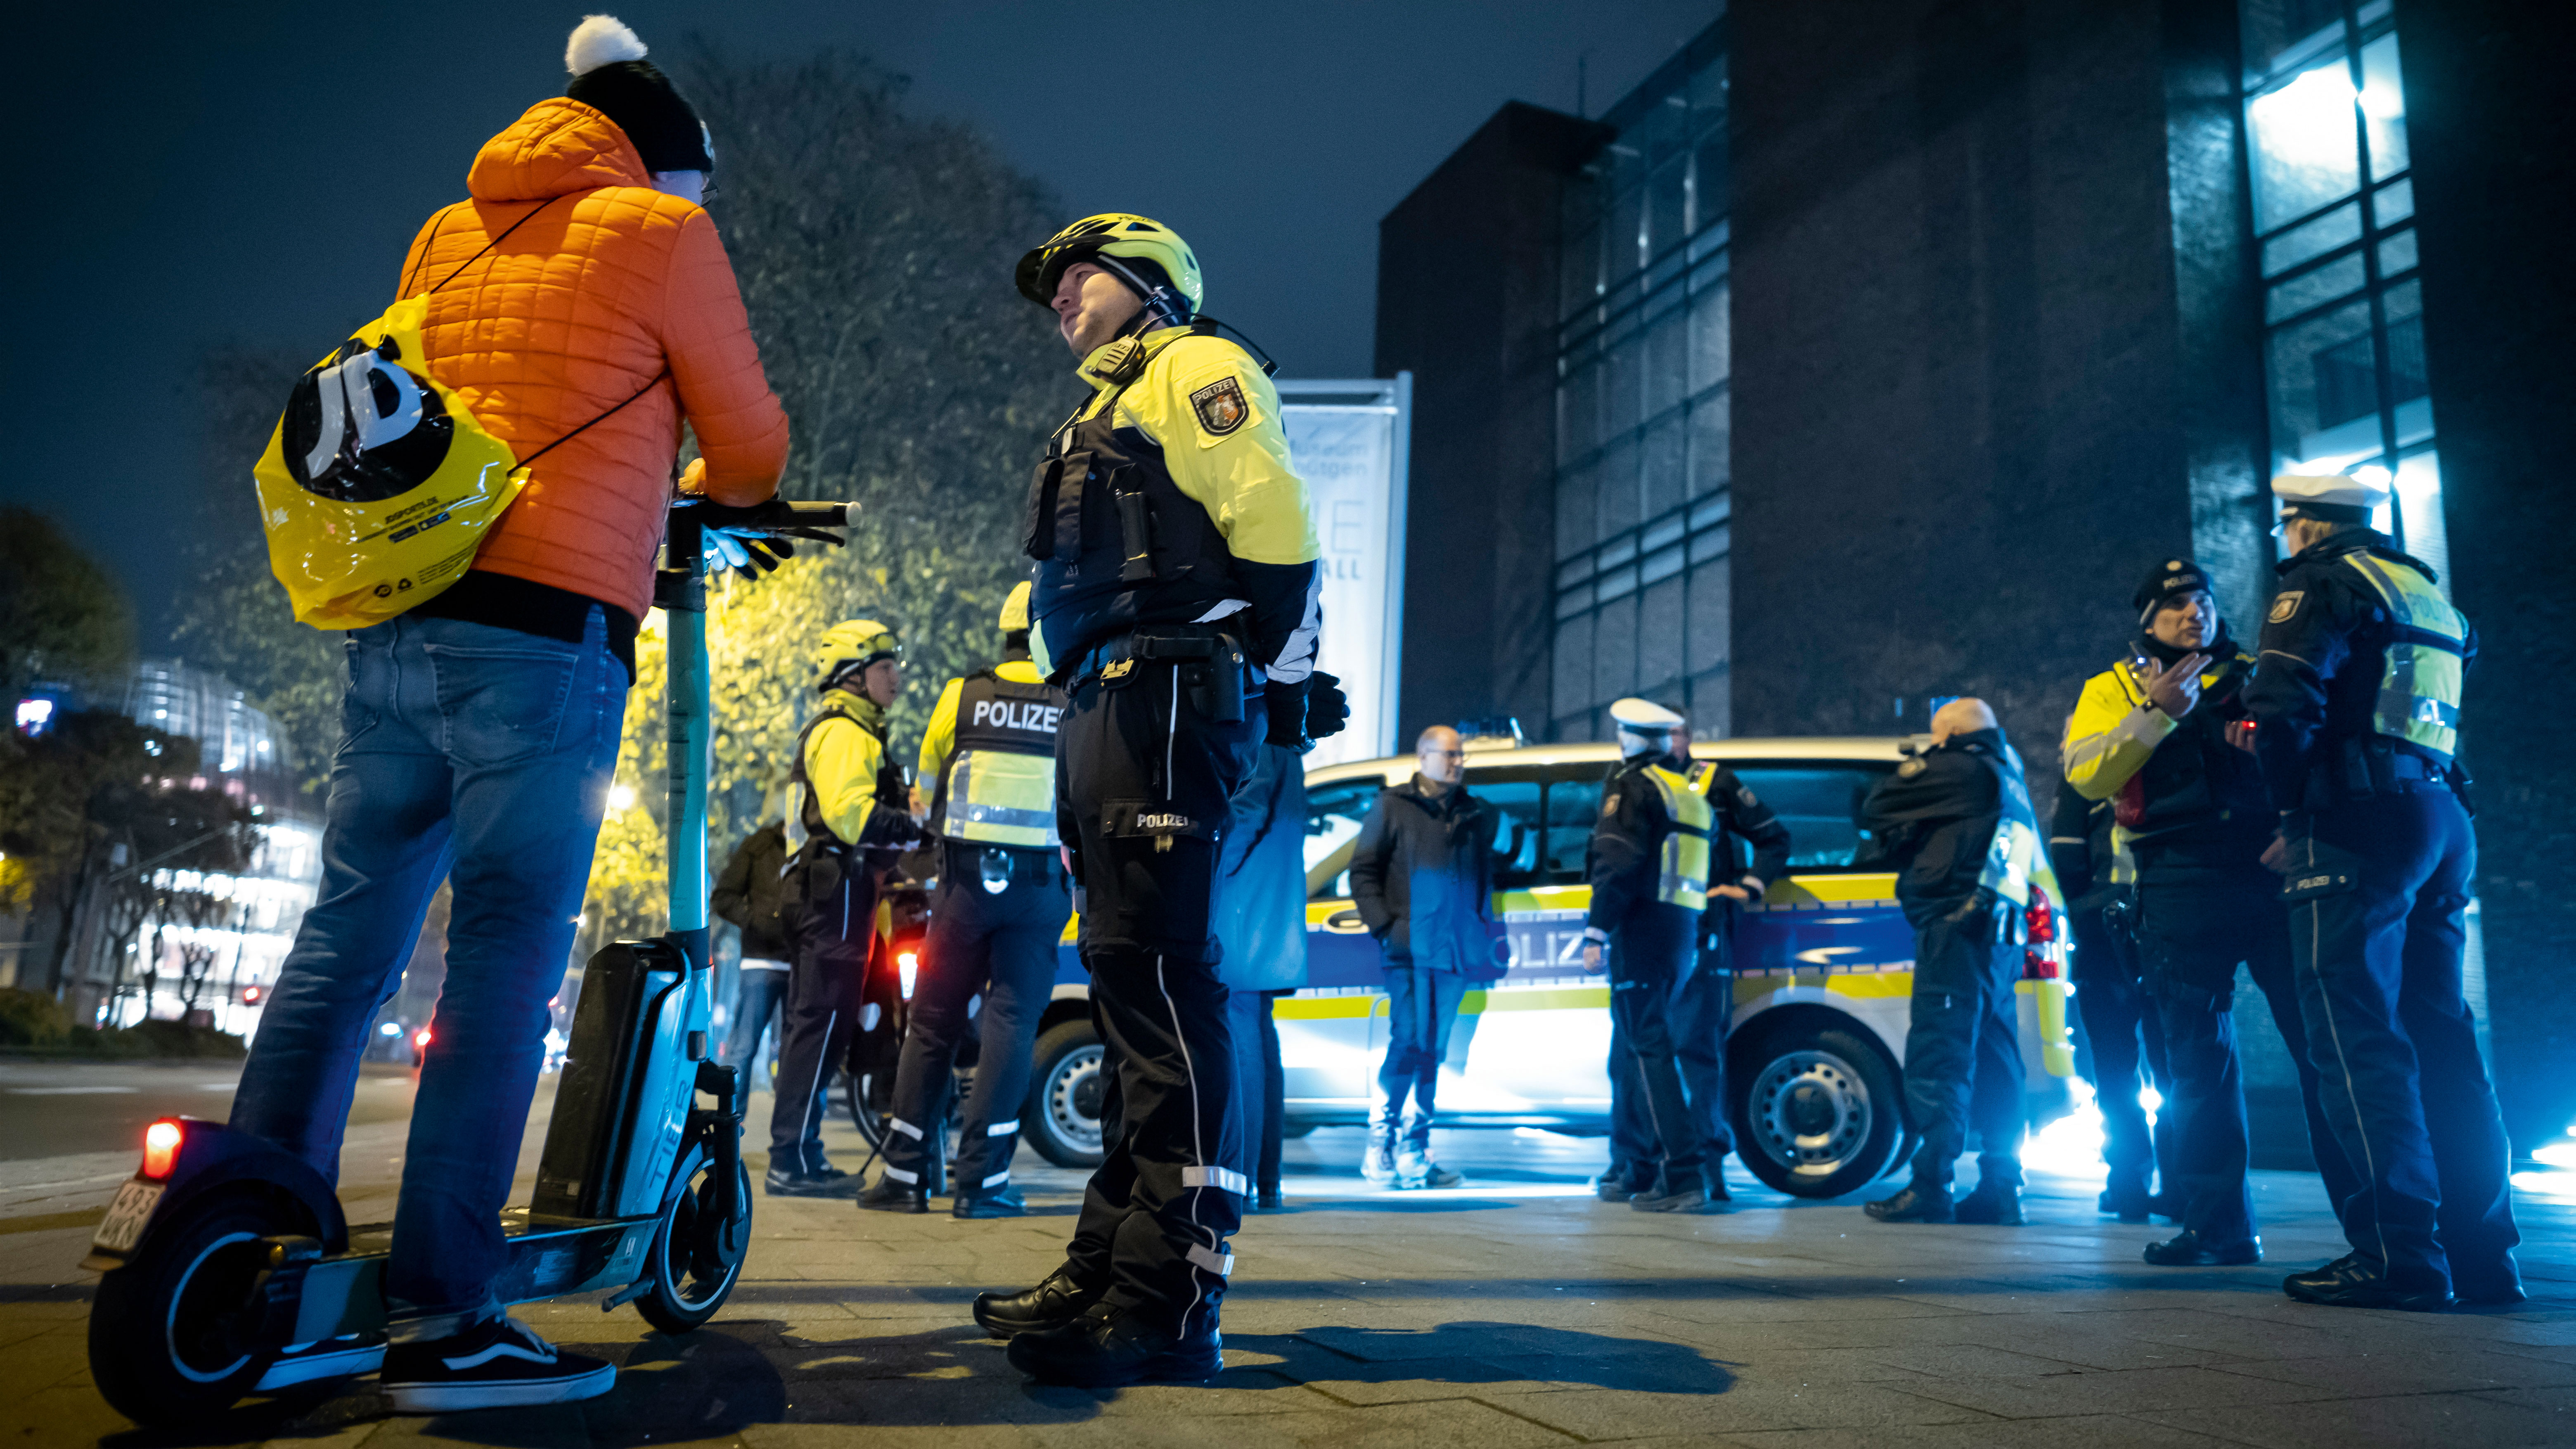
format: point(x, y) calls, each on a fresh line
point(697, 1255)
point(158, 1347)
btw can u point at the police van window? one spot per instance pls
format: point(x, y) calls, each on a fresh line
point(1517, 829)
point(1572, 807)
point(1819, 803)
point(1333, 816)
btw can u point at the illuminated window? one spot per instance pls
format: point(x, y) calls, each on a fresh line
point(1643, 360)
point(2334, 211)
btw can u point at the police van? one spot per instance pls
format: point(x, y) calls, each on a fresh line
point(1824, 975)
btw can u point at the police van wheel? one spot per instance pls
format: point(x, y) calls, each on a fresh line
point(1063, 1113)
point(1819, 1112)
point(162, 1329)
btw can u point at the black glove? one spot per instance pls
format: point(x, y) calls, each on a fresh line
point(1328, 710)
point(1285, 707)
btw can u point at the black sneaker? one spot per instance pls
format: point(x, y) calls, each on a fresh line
point(1611, 1187)
point(2188, 1249)
point(347, 1356)
point(1109, 1346)
point(1271, 1200)
point(890, 1196)
point(1055, 1302)
point(496, 1364)
point(2128, 1204)
point(1914, 1205)
point(1005, 1203)
point(783, 1183)
point(1691, 1199)
point(1992, 1204)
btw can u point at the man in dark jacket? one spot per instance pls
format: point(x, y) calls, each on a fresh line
point(1956, 822)
point(752, 893)
point(2126, 1042)
point(1422, 875)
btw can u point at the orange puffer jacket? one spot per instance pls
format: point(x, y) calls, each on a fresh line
point(605, 287)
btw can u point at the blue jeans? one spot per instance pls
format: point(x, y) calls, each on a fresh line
point(1421, 1008)
point(754, 1012)
point(482, 756)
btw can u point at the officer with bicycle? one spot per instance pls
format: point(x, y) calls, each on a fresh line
point(995, 917)
point(2356, 702)
point(1177, 604)
point(848, 816)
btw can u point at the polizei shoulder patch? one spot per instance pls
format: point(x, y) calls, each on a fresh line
point(2284, 606)
point(1220, 406)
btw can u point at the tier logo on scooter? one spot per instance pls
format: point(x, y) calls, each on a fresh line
point(360, 427)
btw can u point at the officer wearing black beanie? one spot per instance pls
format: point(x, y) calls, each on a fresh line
point(611, 76)
point(2163, 736)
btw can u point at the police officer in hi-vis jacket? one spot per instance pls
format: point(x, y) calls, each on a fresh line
point(988, 761)
point(1176, 604)
point(2356, 702)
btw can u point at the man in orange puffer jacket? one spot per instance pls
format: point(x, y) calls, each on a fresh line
point(482, 726)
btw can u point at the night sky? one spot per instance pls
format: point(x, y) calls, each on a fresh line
point(189, 177)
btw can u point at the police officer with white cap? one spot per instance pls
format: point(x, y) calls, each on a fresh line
point(2356, 702)
point(1649, 869)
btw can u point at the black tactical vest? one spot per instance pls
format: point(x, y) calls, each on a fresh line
point(891, 793)
point(1117, 542)
point(1004, 717)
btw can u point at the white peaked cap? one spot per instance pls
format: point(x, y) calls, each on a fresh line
point(1643, 716)
point(2337, 490)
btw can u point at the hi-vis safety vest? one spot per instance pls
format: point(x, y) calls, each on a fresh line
point(805, 823)
point(2419, 689)
point(999, 787)
point(2018, 856)
point(1681, 876)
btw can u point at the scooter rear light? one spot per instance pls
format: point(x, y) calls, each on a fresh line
point(907, 964)
point(161, 1148)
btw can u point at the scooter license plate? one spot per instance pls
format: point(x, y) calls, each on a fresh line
point(126, 1217)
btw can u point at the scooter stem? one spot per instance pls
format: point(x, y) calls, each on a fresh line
point(690, 736)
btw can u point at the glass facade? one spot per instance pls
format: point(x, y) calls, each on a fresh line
point(2334, 209)
point(1642, 365)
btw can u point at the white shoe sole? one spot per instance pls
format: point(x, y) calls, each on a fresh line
point(313, 1368)
point(449, 1398)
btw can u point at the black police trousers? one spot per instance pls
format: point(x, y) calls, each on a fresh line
point(2378, 892)
point(2193, 930)
point(834, 934)
point(1698, 1009)
point(1001, 946)
point(2126, 1053)
point(1143, 776)
point(1963, 1050)
point(1656, 1014)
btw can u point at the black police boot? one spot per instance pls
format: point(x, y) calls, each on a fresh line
point(1109, 1346)
point(2129, 1201)
point(783, 1182)
point(1924, 1202)
point(1992, 1204)
point(890, 1196)
point(2349, 1282)
point(1271, 1200)
point(1006, 1203)
point(2188, 1249)
point(1055, 1302)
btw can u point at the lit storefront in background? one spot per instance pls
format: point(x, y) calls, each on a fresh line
point(2334, 208)
point(1642, 506)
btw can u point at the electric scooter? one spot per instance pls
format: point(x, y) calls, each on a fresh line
point(223, 1249)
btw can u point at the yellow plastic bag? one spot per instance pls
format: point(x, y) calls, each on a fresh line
point(378, 485)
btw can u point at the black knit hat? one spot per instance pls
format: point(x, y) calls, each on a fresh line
point(2166, 581)
point(610, 75)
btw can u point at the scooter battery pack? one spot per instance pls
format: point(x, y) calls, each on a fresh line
point(595, 1106)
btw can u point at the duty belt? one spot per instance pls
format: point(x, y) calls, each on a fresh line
point(1150, 643)
point(2355, 769)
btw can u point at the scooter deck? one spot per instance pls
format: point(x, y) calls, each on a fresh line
point(549, 1258)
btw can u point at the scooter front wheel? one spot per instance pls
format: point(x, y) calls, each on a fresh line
point(162, 1346)
point(698, 1249)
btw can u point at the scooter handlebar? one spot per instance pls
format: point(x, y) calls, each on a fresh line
point(775, 515)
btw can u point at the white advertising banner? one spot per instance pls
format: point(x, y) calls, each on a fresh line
point(1349, 440)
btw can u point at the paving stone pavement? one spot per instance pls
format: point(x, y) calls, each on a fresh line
point(1513, 1311)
